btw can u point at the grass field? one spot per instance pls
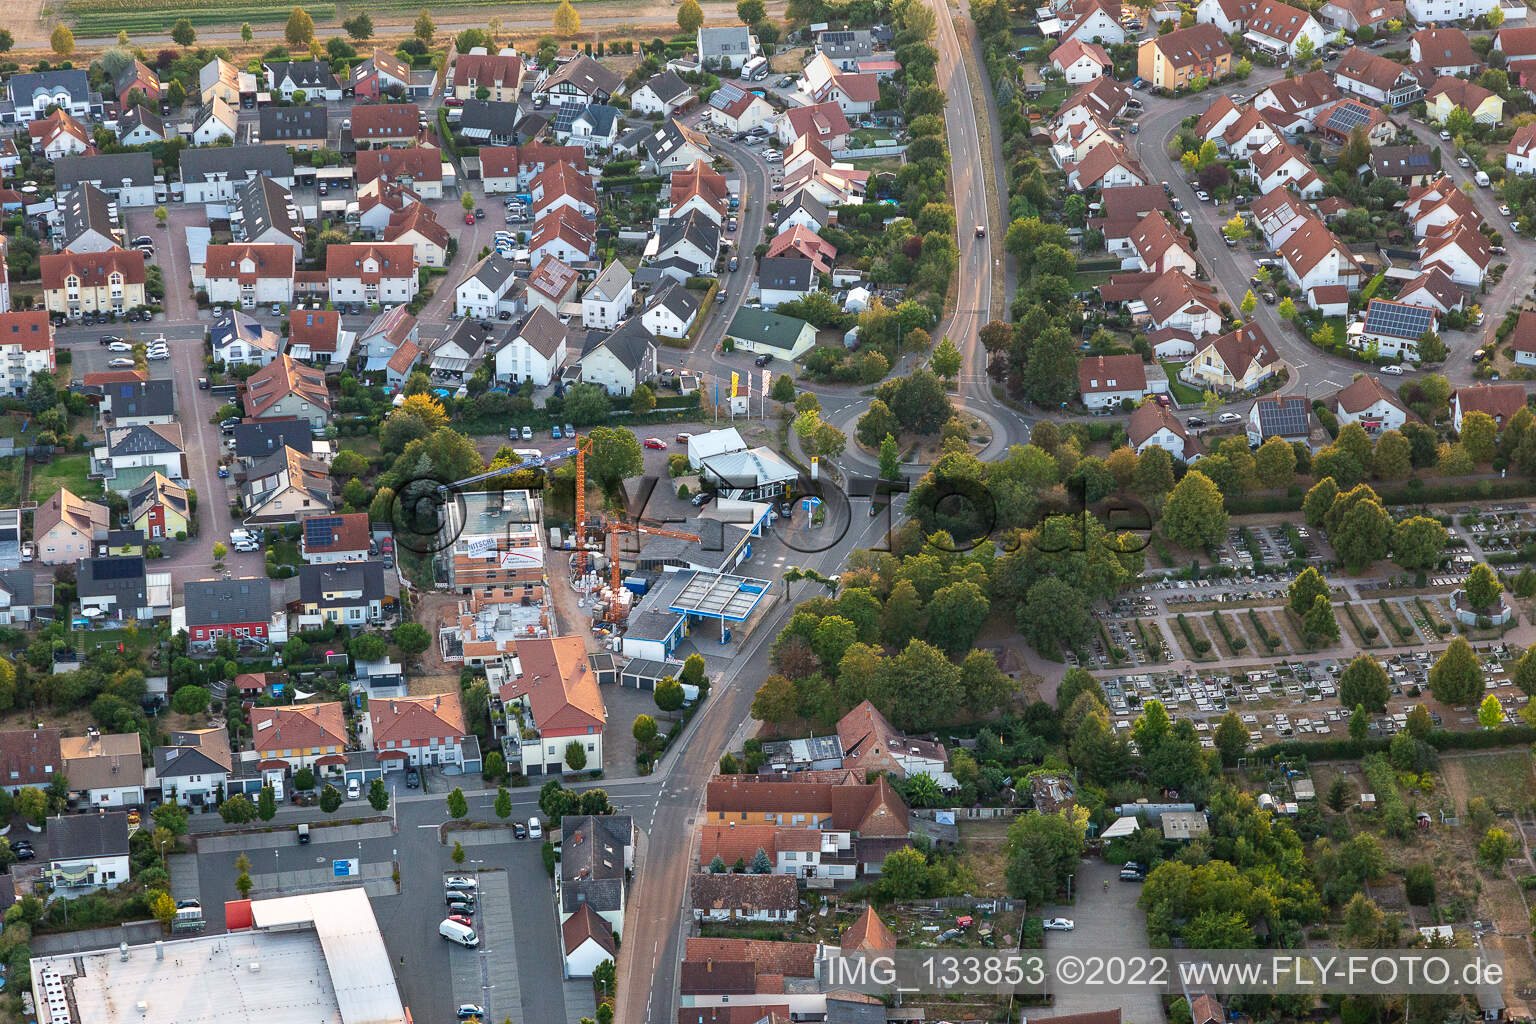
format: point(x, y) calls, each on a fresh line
point(64, 471)
point(1182, 393)
point(93, 17)
point(10, 481)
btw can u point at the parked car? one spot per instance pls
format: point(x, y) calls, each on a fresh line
point(535, 828)
point(28, 551)
point(202, 383)
point(763, 360)
point(554, 431)
point(1229, 417)
point(354, 789)
point(119, 346)
point(683, 436)
point(1059, 924)
point(733, 263)
point(460, 882)
point(519, 830)
point(656, 444)
point(1194, 421)
point(468, 1010)
point(1445, 136)
point(1185, 218)
point(1202, 195)
point(570, 431)
point(303, 835)
point(1395, 369)
point(120, 363)
point(466, 921)
point(527, 433)
point(469, 219)
point(701, 499)
point(411, 780)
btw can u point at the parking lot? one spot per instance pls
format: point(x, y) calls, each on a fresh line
point(1106, 922)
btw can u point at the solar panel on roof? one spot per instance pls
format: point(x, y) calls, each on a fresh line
point(116, 568)
point(1288, 419)
point(319, 531)
point(1348, 117)
point(1398, 319)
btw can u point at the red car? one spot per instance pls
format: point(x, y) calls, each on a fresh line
point(469, 218)
point(387, 545)
point(461, 919)
point(657, 443)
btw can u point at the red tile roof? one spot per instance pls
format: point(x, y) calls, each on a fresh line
point(374, 121)
point(269, 262)
point(414, 721)
point(92, 268)
point(298, 726)
point(346, 260)
point(31, 329)
point(558, 683)
point(1101, 374)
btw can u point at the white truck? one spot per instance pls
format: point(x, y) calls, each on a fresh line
point(455, 932)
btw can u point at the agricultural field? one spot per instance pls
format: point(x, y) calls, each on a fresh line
point(106, 17)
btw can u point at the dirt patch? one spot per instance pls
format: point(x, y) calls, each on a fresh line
point(1504, 779)
point(983, 843)
point(431, 674)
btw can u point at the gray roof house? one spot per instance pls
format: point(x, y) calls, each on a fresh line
point(88, 851)
point(114, 586)
point(129, 178)
point(300, 127)
point(130, 402)
point(694, 239)
point(785, 278)
point(261, 438)
point(662, 94)
point(266, 215)
point(492, 122)
point(728, 47)
point(217, 608)
point(35, 92)
point(351, 593)
point(595, 852)
point(89, 220)
point(619, 361)
point(212, 173)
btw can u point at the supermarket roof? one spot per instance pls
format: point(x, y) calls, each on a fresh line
point(216, 979)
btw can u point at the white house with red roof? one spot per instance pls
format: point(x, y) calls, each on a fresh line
point(1370, 403)
point(561, 185)
point(419, 731)
point(416, 227)
point(1239, 360)
point(1105, 99)
point(370, 273)
point(1278, 213)
point(1151, 425)
point(738, 109)
point(823, 82)
point(1460, 250)
point(1292, 104)
point(1160, 248)
point(1353, 15)
point(1280, 28)
point(1074, 142)
point(1176, 301)
point(1080, 61)
point(1107, 166)
point(1104, 382)
point(26, 347)
point(1092, 21)
point(1282, 165)
point(563, 234)
point(1314, 258)
point(338, 538)
point(249, 275)
point(1520, 154)
point(1435, 289)
point(825, 122)
point(1231, 16)
point(1500, 401)
point(550, 697)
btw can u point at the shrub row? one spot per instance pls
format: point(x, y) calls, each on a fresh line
point(1270, 640)
point(1200, 647)
point(1439, 627)
point(1235, 644)
point(1368, 632)
point(1404, 630)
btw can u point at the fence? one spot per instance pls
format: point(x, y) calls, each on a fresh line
point(992, 906)
point(856, 154)
point(969, 813)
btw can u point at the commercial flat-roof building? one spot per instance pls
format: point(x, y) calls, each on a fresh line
point(321, 961)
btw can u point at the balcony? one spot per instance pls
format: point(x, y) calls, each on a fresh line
point(511, 724)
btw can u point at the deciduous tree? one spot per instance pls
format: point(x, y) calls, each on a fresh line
point(1194, 515)
point(1456, 678)
point(1365, 684)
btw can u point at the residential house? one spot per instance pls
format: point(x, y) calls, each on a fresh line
point(257, 439)
point(1407, 165)
point(554, 285)
point(586, 941)
point(806, 244)
point(420, 168)
point(1353, 15)
point(731, 897)
point(26, 348)
point(59, 134)
point(193, 768)
point(1173, 60)
point(671, 147)
point(284, 389)
point(1439, 205)
point(266, 214)
point(1434, 289)
point(1520, 154)
point(87, 852)
point(1092, 21)
point(32, 93)
point(597, 855)
point(311, 77)
point(1313, 257)
point(297, 128)
point(381, 74)
point(802, 211)
point(64, 526)
point(561, 185)
point(421, 731)
point(132, 453)
point(1447, 94)
point(1288, 417)
point(784, 279)
point(492, 123)
point(216, 120)
point(137, 77)
point(1175, 301)
point(1080, 61)
point(1391, 330)
point(1107, 166)
point(565, 235)
point(697, 188)
point(551, 700)
point(663, 94)
point(1459, 250)
point(1282, 165)
point(130, 403)
point(1239, 360)
point(1160, 248)
point(371, 273)
point(294, 736)
point(104, 770)
point(756, 330)
point(1447, 51)
point(128, 179)
point(389, 330)
point(1280, 28)
point(606, 302)
point(871, 744)
point(1522, 339)
point(330, 539)
point(75, 284)
point(621, 360)
point(1370, 403)
point(690, 245)
point(140, 126)
point(485, 290)
point(1292, 104)
point(1500, 401)
point(824, 122)
point(727, 48)
point(1338, 122)
point(671, 312)
point(385, 124)
point(88, 221)
point(822, 82)
point(215, 174)
point(581, 80)
point(595, 128)
point(500, 74)
point(113, 588)
point(1230, 16)
point(29, 757)
point(286, 487)
point(513, 168)
point(736, 109)
point(343, 593)
point(1153, 425)
point(416, 227)
point(249, 276)
point(158, 508)
point(1376, 78)
point(1278, 214)
point(1105, 382)
point(238, 339)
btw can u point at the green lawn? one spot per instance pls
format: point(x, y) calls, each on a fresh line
point(64, 471)
point(1182, 393)
point(286, 552)
point(10, 481)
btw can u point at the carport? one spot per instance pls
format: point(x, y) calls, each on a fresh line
point(645, 673)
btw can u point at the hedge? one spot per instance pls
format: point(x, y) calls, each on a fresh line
point(1270, 640)
point(1404, 630)
point(1200, 647)
point(1367, 633)
point(1351, 750)
point(1235, 644)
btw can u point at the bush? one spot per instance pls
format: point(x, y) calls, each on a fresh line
point(1199, 646)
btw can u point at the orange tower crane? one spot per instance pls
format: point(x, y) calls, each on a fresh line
point(616, 611)
point(583, 446)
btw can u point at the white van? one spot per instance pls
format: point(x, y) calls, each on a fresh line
point(455, 932)
point(535, 828)
point(243, 540)
point(1481, 177)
